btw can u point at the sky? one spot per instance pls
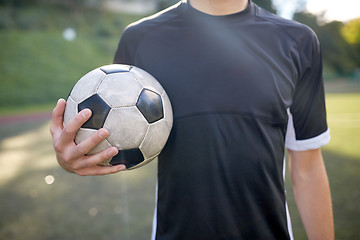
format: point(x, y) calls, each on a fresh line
point(340, 10)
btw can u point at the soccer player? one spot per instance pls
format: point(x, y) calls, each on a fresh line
point(244, 85)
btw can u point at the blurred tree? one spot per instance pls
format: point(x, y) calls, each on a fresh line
point(68, 4)
point(17, 3)
point(351, 31)
point(287, 8)
point(162, 4)
point(308, 19)
point(266, 4)
point(338, 54)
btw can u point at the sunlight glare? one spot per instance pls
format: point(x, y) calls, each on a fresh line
point(93, 211)
point(335, 10)
point(49, 179)
point(32, 150)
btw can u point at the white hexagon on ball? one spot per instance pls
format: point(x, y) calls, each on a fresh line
point(146, 80)
point(87, 85)
point(127, 127)
point(120, 89)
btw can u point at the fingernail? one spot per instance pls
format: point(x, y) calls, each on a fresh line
point(112, 152)
point(103, 133)
point(86, 113)
point(121, 167)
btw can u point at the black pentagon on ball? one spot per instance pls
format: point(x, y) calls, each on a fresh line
point(150, 105)
point(128, 157)
point(115, 68)
point(100, 109)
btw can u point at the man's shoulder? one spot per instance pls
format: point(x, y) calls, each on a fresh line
point(294, 29)
point(147, 24)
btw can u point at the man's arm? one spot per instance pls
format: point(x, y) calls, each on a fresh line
point(312, 193)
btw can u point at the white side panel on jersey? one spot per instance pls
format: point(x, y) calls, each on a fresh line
point(154, 224)
point(307, 144)
point(288, 218)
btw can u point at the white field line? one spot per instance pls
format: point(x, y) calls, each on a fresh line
point(344, 120)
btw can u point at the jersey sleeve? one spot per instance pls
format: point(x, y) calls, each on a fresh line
point(307, 126)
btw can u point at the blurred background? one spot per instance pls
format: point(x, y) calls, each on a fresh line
point(47, 45)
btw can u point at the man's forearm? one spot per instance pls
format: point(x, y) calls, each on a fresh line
point(312, 193)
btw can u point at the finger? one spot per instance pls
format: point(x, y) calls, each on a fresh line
point(69, 131)
point(90, 142)
point(93, 160)
point(100, 170)
point(58, 116)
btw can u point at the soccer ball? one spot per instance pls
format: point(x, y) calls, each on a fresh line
point(131, 104)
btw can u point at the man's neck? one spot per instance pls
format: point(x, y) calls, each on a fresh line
point(219, 7)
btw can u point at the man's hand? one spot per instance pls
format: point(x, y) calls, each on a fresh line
point(73, 157)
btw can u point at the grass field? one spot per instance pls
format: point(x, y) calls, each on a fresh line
point(342, 160)
point(41, 201)
point(344, 122)
point(38, 64)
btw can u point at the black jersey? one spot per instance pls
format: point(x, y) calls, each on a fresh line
point(233, 82)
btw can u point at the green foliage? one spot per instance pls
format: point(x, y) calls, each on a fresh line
point(46, 65)
point(337, 53)
point(64, 4)
point(351, 31)
point(162, 4)
point(340, 57)
point(38, 65)
point(266, 4)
